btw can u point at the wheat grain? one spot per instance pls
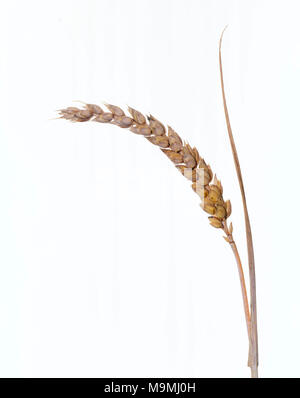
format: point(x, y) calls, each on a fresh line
point(186, 159)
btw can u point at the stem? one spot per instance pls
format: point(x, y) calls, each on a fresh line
point(253, 358)
point(242, 279)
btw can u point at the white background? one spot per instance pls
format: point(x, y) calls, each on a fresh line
point(108, 267)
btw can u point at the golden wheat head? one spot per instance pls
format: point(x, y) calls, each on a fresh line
point(185, 158)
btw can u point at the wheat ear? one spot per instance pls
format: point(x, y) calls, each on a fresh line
point(185, 158)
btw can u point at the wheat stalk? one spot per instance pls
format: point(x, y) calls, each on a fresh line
point(185, 158)
point(253, 337)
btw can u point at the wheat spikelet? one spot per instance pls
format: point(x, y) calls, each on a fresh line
point(185, 158)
